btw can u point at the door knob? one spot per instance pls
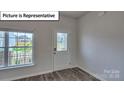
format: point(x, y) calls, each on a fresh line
point(54, 49)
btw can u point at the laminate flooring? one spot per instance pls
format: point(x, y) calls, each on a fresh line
point(71, 74)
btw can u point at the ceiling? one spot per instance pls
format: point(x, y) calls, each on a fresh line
point(73, 14)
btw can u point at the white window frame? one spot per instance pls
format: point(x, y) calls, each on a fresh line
point(6, 47)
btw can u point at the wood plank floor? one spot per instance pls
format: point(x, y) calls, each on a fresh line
point(71, 74)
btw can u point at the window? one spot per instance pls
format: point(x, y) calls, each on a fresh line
point(15, 49)
point(61, 41)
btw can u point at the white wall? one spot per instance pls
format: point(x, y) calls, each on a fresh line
point(101, 44)
point(43, 45)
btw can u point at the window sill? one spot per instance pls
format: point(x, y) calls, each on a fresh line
point(17, 66)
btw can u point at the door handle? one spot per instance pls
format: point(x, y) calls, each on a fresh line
point(54, 49)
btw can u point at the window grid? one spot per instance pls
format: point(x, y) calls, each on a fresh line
point(21, 57)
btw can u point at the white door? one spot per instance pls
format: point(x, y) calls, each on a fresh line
point(61, 53)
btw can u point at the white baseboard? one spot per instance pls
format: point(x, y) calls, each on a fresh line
point(66, 68)
point(96, 76)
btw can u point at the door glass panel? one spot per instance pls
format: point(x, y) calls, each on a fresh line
point(61, 41)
